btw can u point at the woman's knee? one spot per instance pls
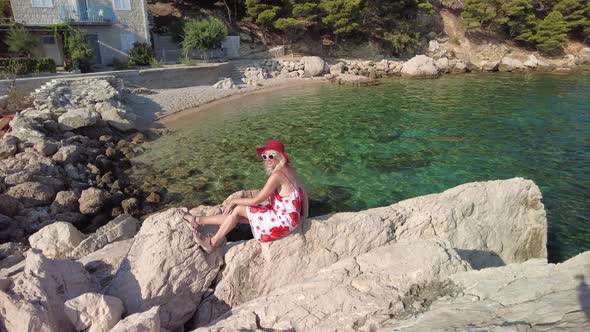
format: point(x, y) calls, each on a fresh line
point(240, 211)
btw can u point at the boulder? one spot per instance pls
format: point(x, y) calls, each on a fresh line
point(531, 62)
point(68, 154)
point(583, 57)
point(11, 253)
point(225, 83)
point(91, 200)
point(77, 118)
point(104, 263)
point(8, 205)
point(65, 201)
point(164, 267)
point(116, 117)
point(56, 240)
point(489, 223)
point(34, 299)
point(147, 321)
point(46, 148)
point(32, 193)
point(18, 178)
point(442, 65)
point(313, 66)
point(121, 228)
point(337, 69)
point(8, 146)
point(93, 312)
point(419, 66)
point(10, 230)
point(510, 64)
point(529, 296)
point(356, 293)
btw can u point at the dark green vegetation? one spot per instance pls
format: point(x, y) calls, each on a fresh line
point(20, 41)
point(141, 54)
point(541, 23)
point(358, 148)
point(203, 34)
point(27, 65)
point(78, 51)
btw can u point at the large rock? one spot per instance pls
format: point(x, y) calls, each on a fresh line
point(490, 223)
point(93, 312)
point(121, 228)
point(8, 205)
point(337, 69)
point(313, 65)
point(116, 117)
point(68, 154)
point(510, 64)
point(356, 293)
point(91, 200)
point(419, 66)
point(32, 193)
point(77, 118)
point(56, 240)
point(148, 321)
point(529, 296)
point(164, 267)
point(65, 201)
point(583, 57)
point(34, 299)
point(10, 230)
point(104, 263)
point(8, 147)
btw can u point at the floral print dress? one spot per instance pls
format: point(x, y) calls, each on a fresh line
point(278, 218)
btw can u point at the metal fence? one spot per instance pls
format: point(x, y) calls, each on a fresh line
point(172, 56)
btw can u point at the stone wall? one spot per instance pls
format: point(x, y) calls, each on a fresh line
point(156, 78)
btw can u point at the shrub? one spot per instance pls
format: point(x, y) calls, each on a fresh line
point(141, 54)
point(154, 63)
point(203, 34)
point(20, 40)
point(79, 51)
point(188, 62)
point(551, 32)
point(120, 64)
point(20, 66)
point(403, 43)
point(456, 40)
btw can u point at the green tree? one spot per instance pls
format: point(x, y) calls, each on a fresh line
point(551, 32)
point(267, 17)
point(203, 34)
point(517, 17)
point(342, 16)
point(264, 12)
point(79, 52)
point(290, 26)
point(577, 15)
point(478, 14)
point(306, 11)
point(20, 40)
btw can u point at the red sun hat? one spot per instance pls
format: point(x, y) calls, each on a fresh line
point(273, 144)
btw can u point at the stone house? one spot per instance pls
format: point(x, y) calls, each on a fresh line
point(111, 26)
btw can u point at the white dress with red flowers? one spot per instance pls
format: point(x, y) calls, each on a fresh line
point(279, 217)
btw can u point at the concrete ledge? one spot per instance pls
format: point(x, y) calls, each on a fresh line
point(152, 78)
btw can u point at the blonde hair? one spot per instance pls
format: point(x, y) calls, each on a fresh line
point(282, 163)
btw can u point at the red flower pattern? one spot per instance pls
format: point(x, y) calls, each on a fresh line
point(285, 210)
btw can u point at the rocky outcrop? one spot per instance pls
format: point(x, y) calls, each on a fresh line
point(147, 321)
point(104, 263)
point(419, 66)
point(56, 240)
point(123, 227)
point(34, 299)
point(165, 268)
point(488, 223)
point(93, 312)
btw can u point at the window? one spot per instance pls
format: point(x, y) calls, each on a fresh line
point(43, 3)
point(127, 41)
point(122, 4)
point(48, 40)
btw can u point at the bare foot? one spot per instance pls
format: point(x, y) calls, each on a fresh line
point(203, 241)
point(189, 219)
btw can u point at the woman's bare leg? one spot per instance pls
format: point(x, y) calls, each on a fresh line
point(229, 223)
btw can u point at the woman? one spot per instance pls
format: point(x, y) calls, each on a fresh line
point(287, 204)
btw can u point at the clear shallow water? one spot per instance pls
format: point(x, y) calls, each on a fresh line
point(358, 148)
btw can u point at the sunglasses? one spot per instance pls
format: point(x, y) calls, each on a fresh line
point(267, 156)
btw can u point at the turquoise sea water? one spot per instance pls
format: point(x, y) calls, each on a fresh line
point(358, 148)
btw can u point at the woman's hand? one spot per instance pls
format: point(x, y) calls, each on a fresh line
point(229, 207)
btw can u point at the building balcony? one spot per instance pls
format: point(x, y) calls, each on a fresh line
point(90, 15)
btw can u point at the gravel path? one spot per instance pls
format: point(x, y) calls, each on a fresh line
point(161, 103)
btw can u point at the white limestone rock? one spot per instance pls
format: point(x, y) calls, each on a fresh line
point(93, 312)
point(419, 66)
point(104, 263)
point(147, 321)
point(510, 64)
point(56, 240)
point(313, 66)
point(32, 193)
point(583, 57)
point(116, 117)
point(77, 118)
point(121, 228)
point(225, 84)
point(165, 267)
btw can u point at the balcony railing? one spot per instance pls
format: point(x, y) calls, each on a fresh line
point(89, 15)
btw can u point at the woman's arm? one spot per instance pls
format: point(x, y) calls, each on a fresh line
point(271, 185)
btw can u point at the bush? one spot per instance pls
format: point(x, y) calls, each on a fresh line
point(141, 54)
point(203, 34)
point(22, 66)
point(20, 40)
point(154, 63)
point(120, 64)
point(78, 51)
point(551, 33)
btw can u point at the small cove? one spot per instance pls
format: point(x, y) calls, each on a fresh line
point(358, 148)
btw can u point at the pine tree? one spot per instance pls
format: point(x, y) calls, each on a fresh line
point(576, 13)
point(342, 16)
point(479, 14)
point(518, 19)
point(551, 32)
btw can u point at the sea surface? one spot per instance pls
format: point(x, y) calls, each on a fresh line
point(358, 148)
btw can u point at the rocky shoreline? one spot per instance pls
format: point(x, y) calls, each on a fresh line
point(470, 258)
